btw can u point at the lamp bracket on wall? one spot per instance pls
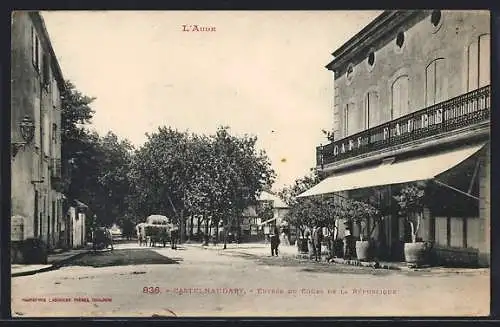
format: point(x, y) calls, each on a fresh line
point(16, 146)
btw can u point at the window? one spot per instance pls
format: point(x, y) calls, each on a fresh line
point(46, 134)
point(54, 133)
point(436, 17)
point(400, 97)
point(346, 120)
point(372, 115)
point(400, 39)
point(46, 71)
point(484, 60)
point(371, 58)
point(351, 121)
point(37, 122)
point(436, 82)
point(35, 49)
point(349, 73)
point(479, 63)
point(436, 20)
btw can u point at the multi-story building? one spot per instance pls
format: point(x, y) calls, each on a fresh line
point(36, 87)
point(412, 102)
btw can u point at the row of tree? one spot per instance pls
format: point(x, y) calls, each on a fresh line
point(366, 210)
point(174, 173)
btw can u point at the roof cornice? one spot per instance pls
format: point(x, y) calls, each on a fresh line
point(38, 19)
point(371, 33)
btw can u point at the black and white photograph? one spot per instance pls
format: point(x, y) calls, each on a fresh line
point(324, 163)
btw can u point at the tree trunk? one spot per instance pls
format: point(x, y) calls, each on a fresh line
point(360, 230)
point(207, 232)
point(225, 234)
point(413, 234)
point(238, 231)
point(191, 227)
point(198, 228)
point(182, 224)
point(216, 238)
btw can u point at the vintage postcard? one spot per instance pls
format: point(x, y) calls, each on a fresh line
point(250, 163)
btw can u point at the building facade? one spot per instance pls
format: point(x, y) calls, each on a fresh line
point(412, 102)
point(36, 87)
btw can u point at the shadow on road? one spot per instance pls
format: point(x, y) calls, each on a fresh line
point(122, 257)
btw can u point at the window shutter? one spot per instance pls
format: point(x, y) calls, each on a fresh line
point(473, 75)
point(484, 60)
point(441, 79)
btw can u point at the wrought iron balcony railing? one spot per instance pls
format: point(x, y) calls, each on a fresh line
point(462, 111)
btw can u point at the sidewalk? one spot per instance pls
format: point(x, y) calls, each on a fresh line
point(54, 261)
point(260, 249)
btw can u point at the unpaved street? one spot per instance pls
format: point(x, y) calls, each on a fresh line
point(133, 281)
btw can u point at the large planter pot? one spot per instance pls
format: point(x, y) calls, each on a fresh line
point(363, 250)
point(302, 245)
point(416, 253)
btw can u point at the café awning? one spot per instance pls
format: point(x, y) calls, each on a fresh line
point(416, 169)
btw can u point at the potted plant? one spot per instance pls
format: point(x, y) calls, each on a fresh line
point(300, 215)
point(363, 212)
point(411, 201)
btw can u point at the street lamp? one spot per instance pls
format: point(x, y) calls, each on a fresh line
point(27, 129)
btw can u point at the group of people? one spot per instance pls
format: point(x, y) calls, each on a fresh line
point(314, 237)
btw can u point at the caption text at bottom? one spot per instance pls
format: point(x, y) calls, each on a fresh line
point(265, 291)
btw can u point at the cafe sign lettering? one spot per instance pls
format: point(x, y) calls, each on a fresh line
point(411, 125)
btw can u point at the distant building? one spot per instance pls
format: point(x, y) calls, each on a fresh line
point(254, 226)
point(412, 101)
point(76, 233)
point(36, 87)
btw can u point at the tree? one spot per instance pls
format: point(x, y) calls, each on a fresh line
point(411, 200)
point(301, 210)
point(76, 142)
point(185, 174)
point(95, 168)
point(160, 173)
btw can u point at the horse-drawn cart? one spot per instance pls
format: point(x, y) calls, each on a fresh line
point(157, 229)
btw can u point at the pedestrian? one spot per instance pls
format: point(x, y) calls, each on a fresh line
point(275, 241)
point(347, 243)
point(174, 236)
point(317, 238)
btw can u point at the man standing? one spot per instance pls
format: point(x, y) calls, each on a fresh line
point(174, 237)
point(275, 241)
point(317, 238)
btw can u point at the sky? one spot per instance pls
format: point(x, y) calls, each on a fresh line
point(260, 73)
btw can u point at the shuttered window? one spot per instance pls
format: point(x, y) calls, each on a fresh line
point(436, 82)
point(372, 114)
point(400, 97)
point(351, 119)
point(478, 58)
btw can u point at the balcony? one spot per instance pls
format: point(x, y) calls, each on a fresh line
point(465, 110)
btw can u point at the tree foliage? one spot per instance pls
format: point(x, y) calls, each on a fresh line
point(174, 173)
point(180, 174)
point(95, 168)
